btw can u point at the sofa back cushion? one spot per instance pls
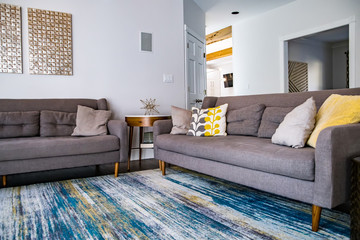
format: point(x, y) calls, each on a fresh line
point(19, 124)
point(246, 120)
point(54, 123)
point(59, 104)
point(271, 119)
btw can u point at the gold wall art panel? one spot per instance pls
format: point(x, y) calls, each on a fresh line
point(50, 42)
point(10, 39)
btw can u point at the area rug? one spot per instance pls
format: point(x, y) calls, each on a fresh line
point(147, 205)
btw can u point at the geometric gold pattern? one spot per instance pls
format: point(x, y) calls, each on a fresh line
point(50, 42)
point(10, 39)
point(298, 76)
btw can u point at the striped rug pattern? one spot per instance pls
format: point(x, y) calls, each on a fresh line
point(147, 205)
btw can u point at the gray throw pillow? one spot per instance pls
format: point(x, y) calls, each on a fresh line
point(19, 124)
point(90, 122)
point(271, 119)
point(181, 119)
point(246, 120)
point(54, 123)
point(297, 126)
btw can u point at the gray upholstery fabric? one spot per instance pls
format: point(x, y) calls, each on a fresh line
point(244, 151)
point(54, 123)
point(62, 105)
point(280, 99)
point(281, 185)
point(209, 102)
point(335, 148)
point(37, 147)
point(44, 153)
point(246, 120)
point(119, 128)
point(19, 124)
point(49, 163)
point(271, 119)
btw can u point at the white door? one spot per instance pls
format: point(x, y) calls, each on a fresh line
point(195, 67)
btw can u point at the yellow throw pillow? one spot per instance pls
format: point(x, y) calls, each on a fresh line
point(336, 110)
point(208, 122)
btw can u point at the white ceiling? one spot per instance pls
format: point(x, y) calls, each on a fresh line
point(218, 12)
point(330, 36)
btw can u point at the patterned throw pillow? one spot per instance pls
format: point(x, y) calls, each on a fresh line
point(208, 122)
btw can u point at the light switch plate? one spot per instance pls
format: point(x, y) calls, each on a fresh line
point(168, 78)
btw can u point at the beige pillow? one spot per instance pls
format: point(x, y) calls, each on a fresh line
point(90, 122)
point(181, 119)
point(297, 125)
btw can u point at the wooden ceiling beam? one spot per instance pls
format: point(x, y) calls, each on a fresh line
point(220, 35)
point(219, 54)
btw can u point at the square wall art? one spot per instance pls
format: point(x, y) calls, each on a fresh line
point(50, 42)
point(10, 39)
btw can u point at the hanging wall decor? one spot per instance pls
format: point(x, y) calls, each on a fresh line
point(10, 39)
point(50, 42)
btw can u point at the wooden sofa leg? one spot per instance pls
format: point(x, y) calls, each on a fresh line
point(116, 169)
point(160, 165)
point(316, 213)
point(163, 168)
point(4, 180)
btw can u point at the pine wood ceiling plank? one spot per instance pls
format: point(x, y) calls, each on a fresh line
point(220, 35)
point(219, 54)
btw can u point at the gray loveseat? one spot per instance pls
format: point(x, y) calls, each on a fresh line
point(35, 136)
point(317, 176)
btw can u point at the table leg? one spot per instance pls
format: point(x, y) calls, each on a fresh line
point(141, 133)
point(130, 146)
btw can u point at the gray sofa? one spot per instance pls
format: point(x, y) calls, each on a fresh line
point(35, 136)
point(317, 176)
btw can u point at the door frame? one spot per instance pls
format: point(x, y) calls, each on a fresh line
point(284, 50)
point(188, 30)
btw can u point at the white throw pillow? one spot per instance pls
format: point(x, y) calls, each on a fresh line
point(297, 125)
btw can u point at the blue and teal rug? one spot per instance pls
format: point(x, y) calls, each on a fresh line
point(146, 205)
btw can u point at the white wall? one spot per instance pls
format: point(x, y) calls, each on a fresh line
point(256, 41)
point(339, 64)
point(318, 56)
point(106, 56)
point(226, 68)
point(194, 17)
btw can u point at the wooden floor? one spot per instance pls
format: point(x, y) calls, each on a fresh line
point(80, 172)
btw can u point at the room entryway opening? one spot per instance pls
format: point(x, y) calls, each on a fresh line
point(320, 59)
point(219, 63)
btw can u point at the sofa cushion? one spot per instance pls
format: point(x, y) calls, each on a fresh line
point(39, 147)
point(296, 128)
point(91, 122)
point(181, 119)
point(246, 120)
point(19, 124)
point(271, 120)
point(208, 122)
point(336, 110)
point(54, 123)
point(244, 151)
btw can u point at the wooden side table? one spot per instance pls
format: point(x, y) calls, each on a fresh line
point(355, 199)
point(140, 121)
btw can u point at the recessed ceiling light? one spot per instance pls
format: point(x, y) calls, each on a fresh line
point(235, 13)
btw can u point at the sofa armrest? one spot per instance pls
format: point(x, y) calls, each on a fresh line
point(119, 128)
point(335, 148)
point(161, 127)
